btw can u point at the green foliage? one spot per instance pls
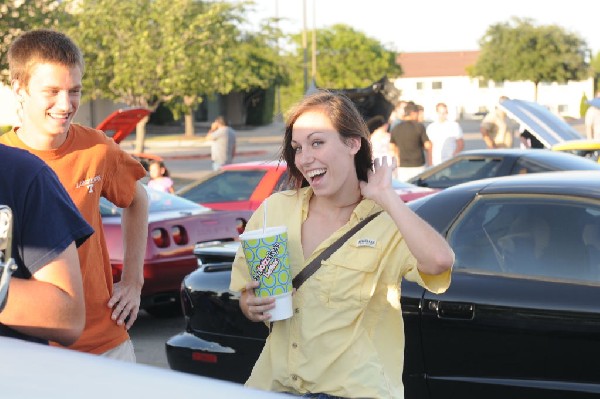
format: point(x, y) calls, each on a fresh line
point(519, 50)
point(19, 16)
point(346, 58)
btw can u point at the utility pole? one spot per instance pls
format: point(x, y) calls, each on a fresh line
point(279, 115)
point(304, 46)
point(314, 46)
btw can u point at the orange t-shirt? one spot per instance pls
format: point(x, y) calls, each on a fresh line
point(90, 165)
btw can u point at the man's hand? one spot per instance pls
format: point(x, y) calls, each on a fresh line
point(125, 303)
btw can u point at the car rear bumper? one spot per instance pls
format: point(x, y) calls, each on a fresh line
point(191, 354)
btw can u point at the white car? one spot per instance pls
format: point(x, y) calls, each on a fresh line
point(32, 370)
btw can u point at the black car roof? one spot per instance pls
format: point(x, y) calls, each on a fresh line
point(560, 159)
point(577, 183)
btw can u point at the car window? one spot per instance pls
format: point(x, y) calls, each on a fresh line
point(230, 185)
point(283, 183)
point(542, 237)
point(464, 170)
point(524, 166)
point(590, 154)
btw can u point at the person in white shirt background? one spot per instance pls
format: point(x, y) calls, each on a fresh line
point(446, 136)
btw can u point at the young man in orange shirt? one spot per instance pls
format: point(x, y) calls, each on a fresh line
point(46, 69)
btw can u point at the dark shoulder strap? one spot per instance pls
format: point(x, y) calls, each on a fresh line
point(311, 268)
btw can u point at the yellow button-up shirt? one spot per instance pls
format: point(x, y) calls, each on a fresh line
point(346, 336)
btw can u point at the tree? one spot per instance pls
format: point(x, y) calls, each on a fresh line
point(519, 51)
point(595, 64)
point(250, 61)
point(173, 52)
point(346, 58)
point(17, 17)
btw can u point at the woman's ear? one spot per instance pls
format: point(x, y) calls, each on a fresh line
point(354, 143)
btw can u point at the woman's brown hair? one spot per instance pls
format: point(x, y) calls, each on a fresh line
point(346, 120)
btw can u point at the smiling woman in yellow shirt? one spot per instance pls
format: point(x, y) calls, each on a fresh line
point(346, 335)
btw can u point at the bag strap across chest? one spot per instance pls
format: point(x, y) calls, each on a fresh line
point(313, 266)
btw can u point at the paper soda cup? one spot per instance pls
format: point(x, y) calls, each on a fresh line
point(268, 261)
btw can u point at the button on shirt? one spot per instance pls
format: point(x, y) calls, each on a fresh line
point(346, 337)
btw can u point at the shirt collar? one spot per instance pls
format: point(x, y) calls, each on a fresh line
point(360, 212)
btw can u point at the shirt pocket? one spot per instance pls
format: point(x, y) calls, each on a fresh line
point(347, 279)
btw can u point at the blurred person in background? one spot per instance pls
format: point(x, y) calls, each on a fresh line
point(397, 114)
point(223, 142)
point(380, 137)
point(592, 120)
point(159, 177)
point(446, 136)
point(496, 129)
point(410, 144)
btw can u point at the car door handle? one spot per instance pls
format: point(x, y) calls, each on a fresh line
point(453, 310)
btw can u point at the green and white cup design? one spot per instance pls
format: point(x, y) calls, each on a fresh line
point(268, 261)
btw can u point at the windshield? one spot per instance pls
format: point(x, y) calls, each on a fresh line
point(158, 202)
point(226, 186)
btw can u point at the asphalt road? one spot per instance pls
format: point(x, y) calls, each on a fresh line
point(149, 335)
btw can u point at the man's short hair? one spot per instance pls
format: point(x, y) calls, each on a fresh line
point(410, 108)
point(39, 46)
point(221, 120)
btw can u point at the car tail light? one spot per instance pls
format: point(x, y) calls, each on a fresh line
point(160, 237)
point(204, 357)
point(179, 235)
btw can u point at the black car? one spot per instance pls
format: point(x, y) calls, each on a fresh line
point(521, 318)
point(480, 164)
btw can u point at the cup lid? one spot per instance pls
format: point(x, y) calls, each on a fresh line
point(261, 233)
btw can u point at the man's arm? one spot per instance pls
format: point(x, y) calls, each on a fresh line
point(589, 132)
point(125, 300)
point(395, 152)
point(428, 153)
point(460, 145)
point(50, 305)
point(489, 143)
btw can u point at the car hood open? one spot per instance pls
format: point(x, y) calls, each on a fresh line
point(543, 124)
point(122, 122)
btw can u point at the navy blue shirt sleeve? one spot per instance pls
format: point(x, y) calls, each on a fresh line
point(51, 223)
point(45, 219)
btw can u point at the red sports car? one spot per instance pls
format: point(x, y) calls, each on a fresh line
point(243, 187)
point(175, 226)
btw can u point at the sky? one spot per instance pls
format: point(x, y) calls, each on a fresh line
point(432, 25)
